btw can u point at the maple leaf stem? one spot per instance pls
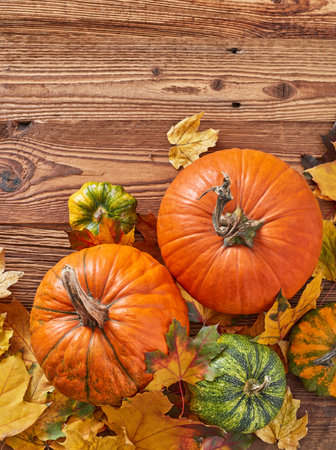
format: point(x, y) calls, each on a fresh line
point(182, 398)
point(327, 294)
point(91, 312)
point(236, 228)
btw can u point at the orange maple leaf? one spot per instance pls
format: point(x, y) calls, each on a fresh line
point(110, 232)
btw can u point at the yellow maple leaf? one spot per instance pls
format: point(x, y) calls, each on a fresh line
point(16, 415)
point(39, 386)
point(49, 425)
point(142, 418)
point(26, 441)
point(188, 143)
point(325, 177)
point(17, 319)
point(5, 335)
point(327, 260)
point(7, 278)
point(318, 194)
point(285, 428)
point(128, 238)
point(281, 317)
point(82, 435)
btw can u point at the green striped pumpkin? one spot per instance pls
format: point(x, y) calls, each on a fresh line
point(312, 354)
point(249, 390)
point(92, 201)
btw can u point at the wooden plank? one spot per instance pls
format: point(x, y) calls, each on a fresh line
point(78, 76)
point(42, 164)
point(35, 250)
point(201, 18)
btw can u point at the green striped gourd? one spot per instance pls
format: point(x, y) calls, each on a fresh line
point(249, 390)
point(312, 354)
point(93, 200)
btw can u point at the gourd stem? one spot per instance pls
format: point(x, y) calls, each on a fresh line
point(91, 312)
point(224, 196)
point(252, 386)
point(236, 228)
point(326, 360)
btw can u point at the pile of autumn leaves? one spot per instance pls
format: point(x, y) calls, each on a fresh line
point(33, 414)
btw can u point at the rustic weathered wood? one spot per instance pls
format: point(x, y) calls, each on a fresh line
point(88, 90)
point(93, 76)
point(35, 250)
point(262, 18)
point(42, 164)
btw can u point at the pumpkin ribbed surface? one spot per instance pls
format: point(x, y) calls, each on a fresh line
point(313, 338)
point(101, 365)
point(225, 401)
point(239, 279)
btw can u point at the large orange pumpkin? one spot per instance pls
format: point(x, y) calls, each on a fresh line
point(96, 314)
point(236, 226)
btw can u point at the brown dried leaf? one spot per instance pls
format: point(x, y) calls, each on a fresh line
point(188, 142)
point(256, 328)
point(146, 225)
point(285, 429)
point(329, 139)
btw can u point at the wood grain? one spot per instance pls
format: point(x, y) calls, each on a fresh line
point(201, 18)
point(74, 76)
point(42, 164)
point(88, 90)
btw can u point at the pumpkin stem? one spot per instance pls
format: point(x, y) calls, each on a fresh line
point(326, 360)
point(91, 312)
point(252, 386)
point(236, 228)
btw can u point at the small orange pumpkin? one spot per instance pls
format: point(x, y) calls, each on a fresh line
point(96, 314)
point(234, 243)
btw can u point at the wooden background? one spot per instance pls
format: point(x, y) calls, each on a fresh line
point(88, 90)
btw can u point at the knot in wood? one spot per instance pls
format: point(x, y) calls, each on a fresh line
point(281, 91)
point(217, 85)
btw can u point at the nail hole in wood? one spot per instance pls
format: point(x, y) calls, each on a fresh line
point(236, 105)
point(233, 50)
point(23, 124)
point(156, 71)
